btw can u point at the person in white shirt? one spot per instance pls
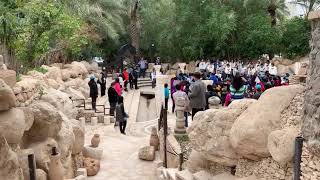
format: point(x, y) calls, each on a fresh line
point(227, 71)
point(273, 70)
point(202, 66)
point(210, 68)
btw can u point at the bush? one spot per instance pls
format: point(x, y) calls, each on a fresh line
point(41, 70)
point(18, 77)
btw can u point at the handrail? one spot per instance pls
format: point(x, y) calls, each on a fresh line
point(84, 106)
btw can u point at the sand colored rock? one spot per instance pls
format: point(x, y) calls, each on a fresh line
point(12, 125)
point(47, 121)
point(41, 175)
point(78, 132)
point(210, 135)
point(7, 97)
point(281, 144)
point(65, 139)
point(29, 117)
point(9, 77)
point(197, 162)
point(249, 134)
point(9, 164)
point(147, 153)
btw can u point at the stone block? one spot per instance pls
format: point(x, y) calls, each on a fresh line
point(147, 153)
point(106, 120)
point(91, 152)
point(82, 171)
point(100, 118)
point(94, 121)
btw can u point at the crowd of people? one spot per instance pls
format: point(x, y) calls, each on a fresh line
point(230, 81)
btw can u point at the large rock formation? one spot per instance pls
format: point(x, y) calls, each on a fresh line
point(249, 134)
point(47, 121)
point(7, 97)
point(12, 125)
point(311, 118)
point(210, 134)
point(9, 164)
point(8, 76)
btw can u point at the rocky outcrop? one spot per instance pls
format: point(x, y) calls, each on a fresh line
point(29, 118)
point(7, 97)
point(249, 134)
point(281, 144)
point(60, 101)
point(147, 153)
point(9, 77)
point(210, 134)
point(47, 122)
point(12, 125)
point(78, 132)
point(9, 164)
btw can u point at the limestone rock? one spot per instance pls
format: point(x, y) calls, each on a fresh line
point(210, 135)
point(9, 164)
point(42, 151)
point(249, 134)
point(41, 175)
point(9, 77)
point(92, 166)
point(7, 97)
point(79, 68)
point(53, 84)
point(29, 117)
point(147, 153)
point(61, 101)
point(65, 74)
point(47, 121)
point(196, 162)
point(78, 132)
point(12, 125)
point(91, 152)
point(54, 73)
point(281, 144)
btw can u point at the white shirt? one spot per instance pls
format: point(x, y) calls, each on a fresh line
point(273, 70)
point(202, 66)
point(210, 68)
point(227, 70)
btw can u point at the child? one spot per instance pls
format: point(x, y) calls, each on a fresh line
point(166, 95)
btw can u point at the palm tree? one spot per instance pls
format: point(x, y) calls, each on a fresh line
point(277, 9)
point(134, 25)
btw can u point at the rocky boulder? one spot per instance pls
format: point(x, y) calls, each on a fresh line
point(147, 153)
point(249, 134)
point(210, 135)
point(54, 73)
point(47, 121)
point(9, 164)
point(61, 101)
point(9, 77)
point(12, 125)
point(281, 144)
point(78, 132)
point(29, 118)
point(92, 166)
point(7, 97)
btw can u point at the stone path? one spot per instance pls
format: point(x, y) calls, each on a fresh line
point(120, 157)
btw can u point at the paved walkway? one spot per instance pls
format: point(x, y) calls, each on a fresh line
point(120, 153)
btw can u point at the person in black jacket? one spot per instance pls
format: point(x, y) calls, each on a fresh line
point(93, 91)
point(113, 98)
point(102, 83)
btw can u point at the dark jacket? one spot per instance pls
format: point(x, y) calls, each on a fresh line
point(198, 95)
point(112, 95)
point(121, 115)
point(93, 89)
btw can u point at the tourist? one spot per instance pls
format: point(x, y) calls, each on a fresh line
point(166, 95)
point(135, 76)
point(210, 93)
point(117, 86)
point(125, 75)
point(197, 95)
point(102, 83)
point(228, 71)
point(113, 98)
point(131, 77)
point(237, 88)
point(121, 115)
point(273, 70)
point(153, 78)
point(202, 66)
point(182, 101)
point(93, 91)
point(214, 78)
point(258, 92)
point(143, 67)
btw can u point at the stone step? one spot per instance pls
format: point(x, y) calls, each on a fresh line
point(203, 175)
point(184, 175)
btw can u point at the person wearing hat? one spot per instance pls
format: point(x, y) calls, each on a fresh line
point(93, 91)
point(102, 83)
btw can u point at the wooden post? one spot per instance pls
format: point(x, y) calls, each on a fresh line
point(165, 132)
point(32, 168)
point(181, 161)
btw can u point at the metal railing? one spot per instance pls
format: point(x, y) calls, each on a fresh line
point(83, 105)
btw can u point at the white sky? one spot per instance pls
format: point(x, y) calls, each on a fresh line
point(295, 10)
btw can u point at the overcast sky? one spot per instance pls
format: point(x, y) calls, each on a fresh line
point(295, 10)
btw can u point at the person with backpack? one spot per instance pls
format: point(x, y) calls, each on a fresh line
point(121, 116)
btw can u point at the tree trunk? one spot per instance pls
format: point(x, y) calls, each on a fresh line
point(134, 29)
point(311, 118)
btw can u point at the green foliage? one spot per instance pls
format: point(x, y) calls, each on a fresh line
point(18, 77)
point(295, 39)
point(41, 70)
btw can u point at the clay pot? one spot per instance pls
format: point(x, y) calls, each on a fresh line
point(92, 166)
point(55, 167)
point(154, 139)
point(95, 140)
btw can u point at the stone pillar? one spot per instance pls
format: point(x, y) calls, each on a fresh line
point(157, 68)
point(311, 118)
point(180, 129)
point(161, 80)
point(214, 102)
